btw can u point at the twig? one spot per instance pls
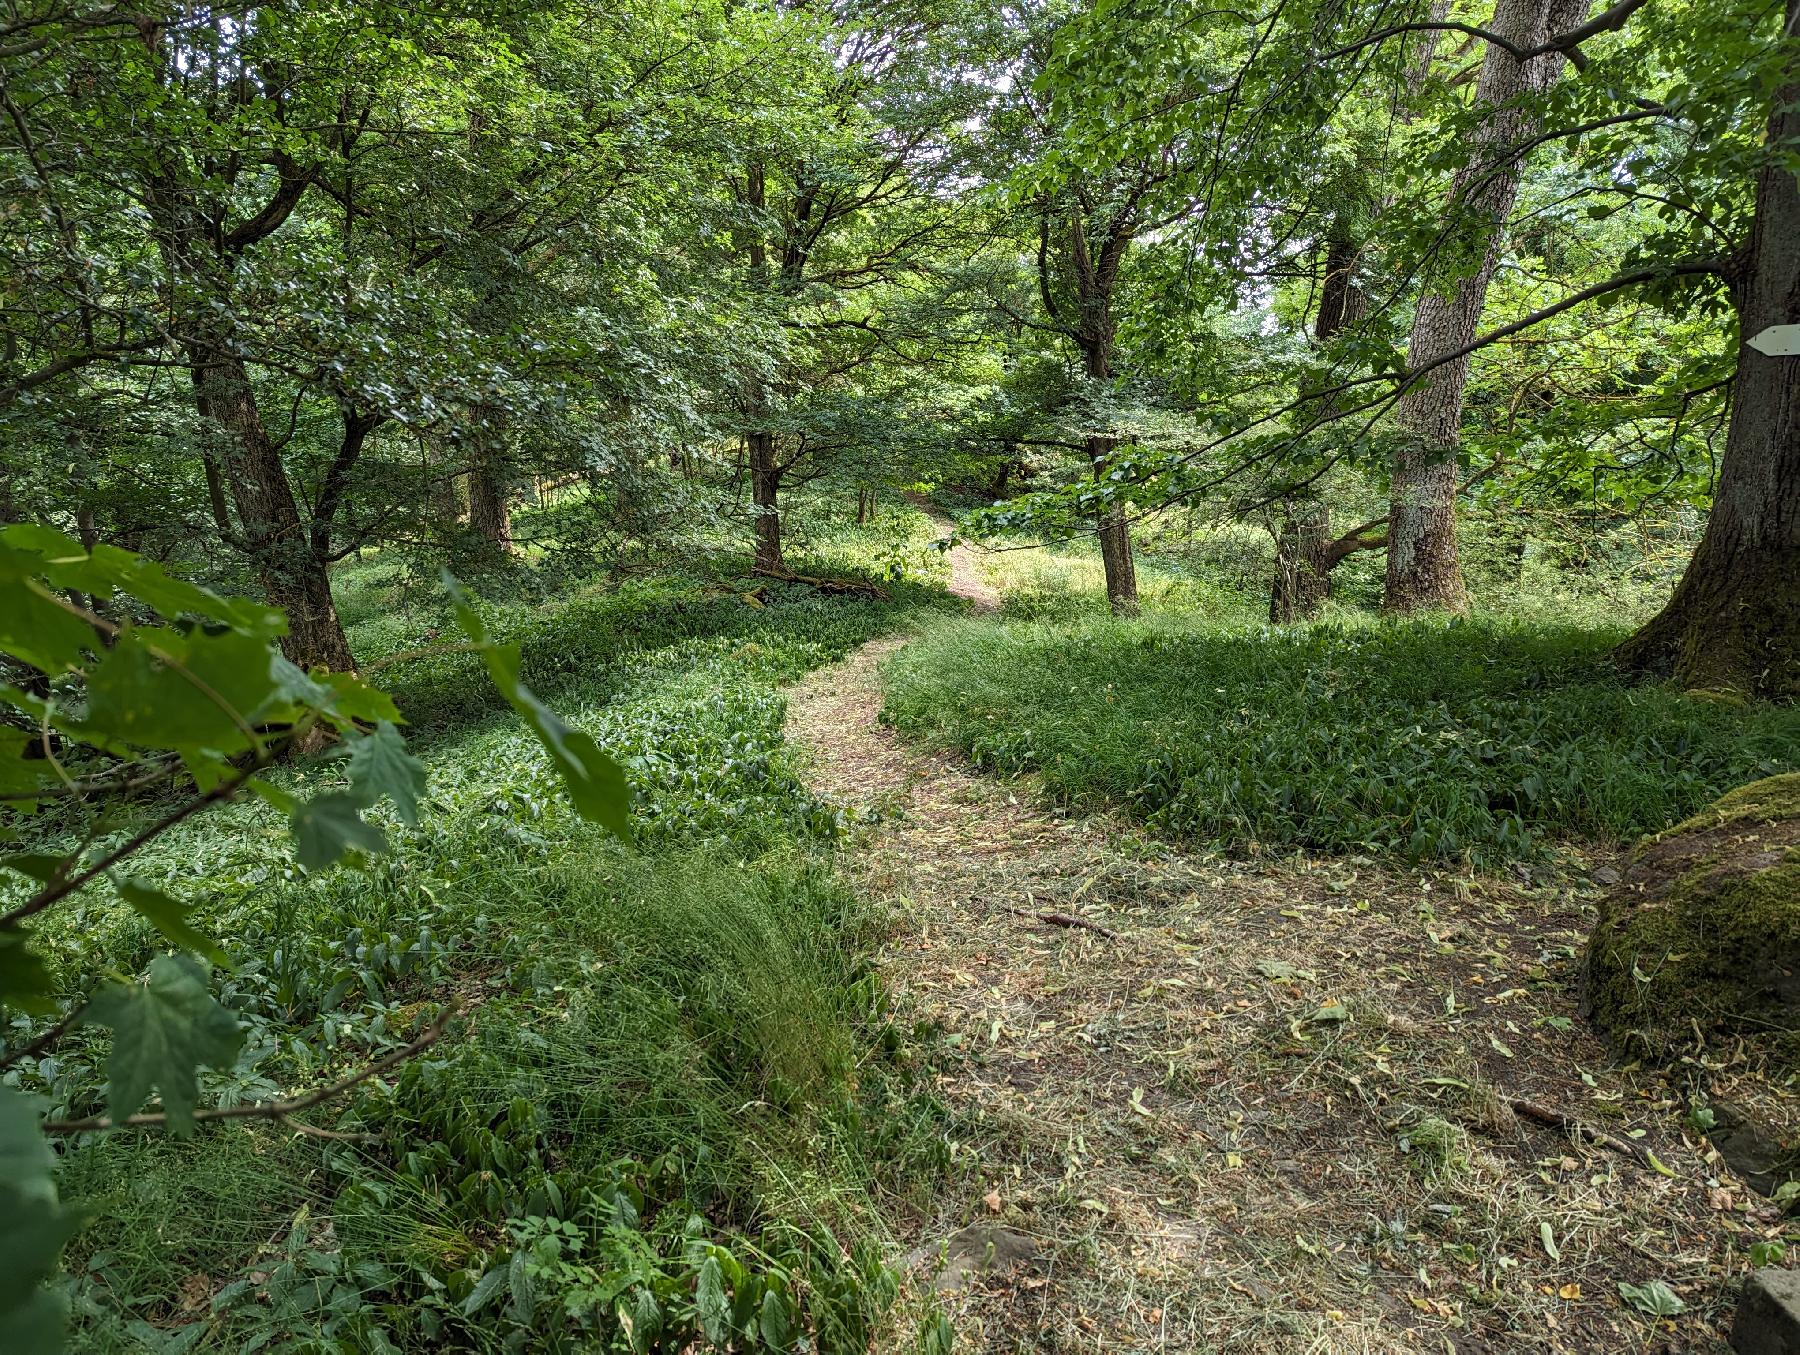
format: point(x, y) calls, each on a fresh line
point(1556, 1119)
point(1056, 919)
point(44, 1041)
point(273, 1110)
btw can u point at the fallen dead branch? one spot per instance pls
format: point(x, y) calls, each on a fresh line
point(1556, 1119)
point(1056, 919)
point(835, 586)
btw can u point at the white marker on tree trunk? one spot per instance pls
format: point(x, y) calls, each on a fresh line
point(1777, 341)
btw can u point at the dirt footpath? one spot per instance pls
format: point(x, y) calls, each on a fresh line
point(1307, 1105)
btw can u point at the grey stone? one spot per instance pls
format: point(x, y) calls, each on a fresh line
point(1750, 1148)
point(980, 1248)
point(1768, 1315)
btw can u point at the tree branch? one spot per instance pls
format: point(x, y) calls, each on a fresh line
point(273, 1110)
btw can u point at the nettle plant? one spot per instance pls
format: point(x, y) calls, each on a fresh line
point(137, 702)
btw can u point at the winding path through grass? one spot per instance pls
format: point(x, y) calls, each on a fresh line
point(1272, 1112)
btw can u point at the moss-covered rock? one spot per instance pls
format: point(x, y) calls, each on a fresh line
point(1702, 932)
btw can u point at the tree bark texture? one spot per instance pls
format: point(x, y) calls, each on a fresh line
point(765, 498)
point(1423, 571)
point(1303, 561)
point(1303, 557)
point(1733, 622)
point(293, 574)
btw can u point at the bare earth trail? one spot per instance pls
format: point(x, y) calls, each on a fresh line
point(1276, 1112)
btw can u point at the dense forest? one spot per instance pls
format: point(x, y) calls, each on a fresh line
point(899, 675)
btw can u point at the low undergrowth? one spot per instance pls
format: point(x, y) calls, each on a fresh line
point(1462, 740)
point(675, 1096)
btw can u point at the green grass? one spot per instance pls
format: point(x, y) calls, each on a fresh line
point(678, 1065)
point(1481, 741)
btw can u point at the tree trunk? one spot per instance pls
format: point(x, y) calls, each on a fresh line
point(293, 575)
point(765, 495)
point(1422, 567)
point(1115, 555)
point(1303, 558)
point(1303, 562)
point(1734, 621)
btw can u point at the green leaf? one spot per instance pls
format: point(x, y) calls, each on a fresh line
point(355, 699)
point(518, 1282)
point(485, 1289)
point(24, 981)
point(32, 627)
point(35, 865)
point(26, 1162)
point(776, 1320)
point(33, 1228)
point(169, 916)
point(139, 696)
point(329, 825)
point(595, 784)
point(163, 1030)
point(1654, 1297)
point(710, 1304)
point(380, 765)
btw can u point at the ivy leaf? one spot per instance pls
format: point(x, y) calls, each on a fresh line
point(162, 1031)
point(169, 916)
point(380, 765)
point(328, 825)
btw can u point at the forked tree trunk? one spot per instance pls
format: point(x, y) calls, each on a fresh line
point(1422, 567)
point(1303, 562)
point(1303, 558)
point(1734, 620)
point(293, 575)
point(765, 498)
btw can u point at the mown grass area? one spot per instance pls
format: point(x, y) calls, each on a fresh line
point(1483, 740)
point(676, 1096)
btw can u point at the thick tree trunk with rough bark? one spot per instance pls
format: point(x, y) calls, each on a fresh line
point(765, 499)
point(1734, 621)
point(1422, 568)
point(1303, 562)
point(293, 574)
point(490, 511)
point(490, 481)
